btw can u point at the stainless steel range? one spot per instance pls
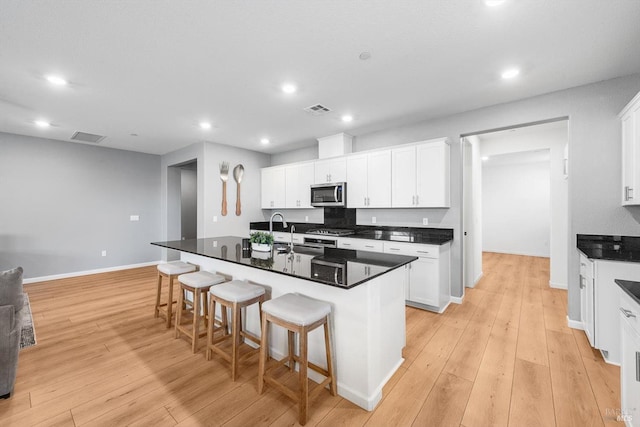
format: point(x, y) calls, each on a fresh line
point(332, 231)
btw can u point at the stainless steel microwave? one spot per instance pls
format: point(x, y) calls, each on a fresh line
point(334, 194)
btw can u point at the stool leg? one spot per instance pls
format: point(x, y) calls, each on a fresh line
point(170, 302)
point(196, 320)
point(235, 336)
point(212, 318)
point(327, 345)
point(292, 362)
point(179, 312)
point(157, 310)
point(264, 352)
point(304, 383)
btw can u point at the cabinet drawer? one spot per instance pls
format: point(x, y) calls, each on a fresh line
point(412, 249)
point(630, 310)
point(360, 245)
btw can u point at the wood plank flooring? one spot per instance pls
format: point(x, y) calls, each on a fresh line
point(505, 357)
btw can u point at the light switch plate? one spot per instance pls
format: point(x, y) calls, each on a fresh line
point(134, 218)
point(215, 219)
point(373, 220)
point(104, 253)
point(425, 221)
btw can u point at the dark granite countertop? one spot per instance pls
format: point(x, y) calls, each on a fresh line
point(430, 236)
point(306, 263)
point(631, 288)
point(611, 248)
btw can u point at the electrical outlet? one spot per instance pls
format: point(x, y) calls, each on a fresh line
point(134, 218)
point(104, 253)
point(215, 219)
point(373, 220)
point(306, 218)
point(425, 221)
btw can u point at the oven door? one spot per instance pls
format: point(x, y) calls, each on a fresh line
point(328, 194)
point(329, 272)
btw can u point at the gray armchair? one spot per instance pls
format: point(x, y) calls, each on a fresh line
point(11, 305)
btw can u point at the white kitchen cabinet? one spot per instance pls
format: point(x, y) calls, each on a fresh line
point(298, 181)
point(369, 180)
point(360, 244)
point(273, 181)
point(587, 307)
point(420, 175)
point(629, 360)
point(606, 333)
point(429, 278)
point(630, 118)
point(331, 170)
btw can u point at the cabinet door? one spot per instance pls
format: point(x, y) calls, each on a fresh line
point(403, 177)
point(333, 170)
point(378, 180)
point(273, 188)
point(298, 182)
point(629, 374)
point(432, 175)
point(587, 298)
point(628, 160)
point(424, 281)
point(357, 181)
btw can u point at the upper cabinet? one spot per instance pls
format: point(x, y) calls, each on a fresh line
point(420, 176)
point(331, 170)
point(630, 117)
point(273, 187)
point(369, 180)
point(299, 178)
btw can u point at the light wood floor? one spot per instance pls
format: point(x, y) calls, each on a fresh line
point(503, 357)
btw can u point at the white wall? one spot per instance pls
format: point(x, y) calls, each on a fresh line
point(516, 200)
point(63, 203)
point(594, 162)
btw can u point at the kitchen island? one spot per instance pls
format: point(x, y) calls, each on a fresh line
point(365, 290)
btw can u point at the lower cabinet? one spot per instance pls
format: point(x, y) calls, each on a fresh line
point(428, 282)
point(629, 361)
point(587, 307)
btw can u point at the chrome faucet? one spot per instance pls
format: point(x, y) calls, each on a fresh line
point(293, 229)
point(273, 215)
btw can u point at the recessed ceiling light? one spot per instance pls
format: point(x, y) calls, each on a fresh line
point(264, 141)
point(493, 3)
point(56, 80)
point(347, 118)
point(42, 123)
point(289, 88)
point(485, 158)
point(205, 125)
point(364, 56)
point(510, 73)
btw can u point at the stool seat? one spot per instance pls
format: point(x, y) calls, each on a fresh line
point(237, 291)
point(201, 279)
point(176, 267)
point(297, 309)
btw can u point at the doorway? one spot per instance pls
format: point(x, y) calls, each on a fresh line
point(182, 201)
point(515, 196)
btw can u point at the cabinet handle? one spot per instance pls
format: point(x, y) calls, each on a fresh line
point(628, 193)
point(638, 366)
point(413, 200)
point(365, 201)
point(583, 264)
point(423, 252)
point(582, 282)
point(368, 246)
point(627, 313)
point(394, 249)
point(346, 244)
point(417, 200)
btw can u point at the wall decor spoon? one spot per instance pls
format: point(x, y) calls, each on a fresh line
point(224, 176)
point(238, 171)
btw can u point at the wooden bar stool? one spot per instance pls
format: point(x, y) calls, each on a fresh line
point(234, 295)
point(198, 283)
point(298, 314)
point(170, 270)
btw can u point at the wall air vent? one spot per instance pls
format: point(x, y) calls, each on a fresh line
point(317, 110)
point(87, 137)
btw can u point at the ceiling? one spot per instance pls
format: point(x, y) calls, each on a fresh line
point(145, 73)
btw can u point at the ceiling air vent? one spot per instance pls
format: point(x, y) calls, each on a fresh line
point(317, 110)
point(87, 137)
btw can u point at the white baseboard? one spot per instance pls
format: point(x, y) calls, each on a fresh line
point(457, 300)
point(575, 324)
point(558, 285)
point(87, 272)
